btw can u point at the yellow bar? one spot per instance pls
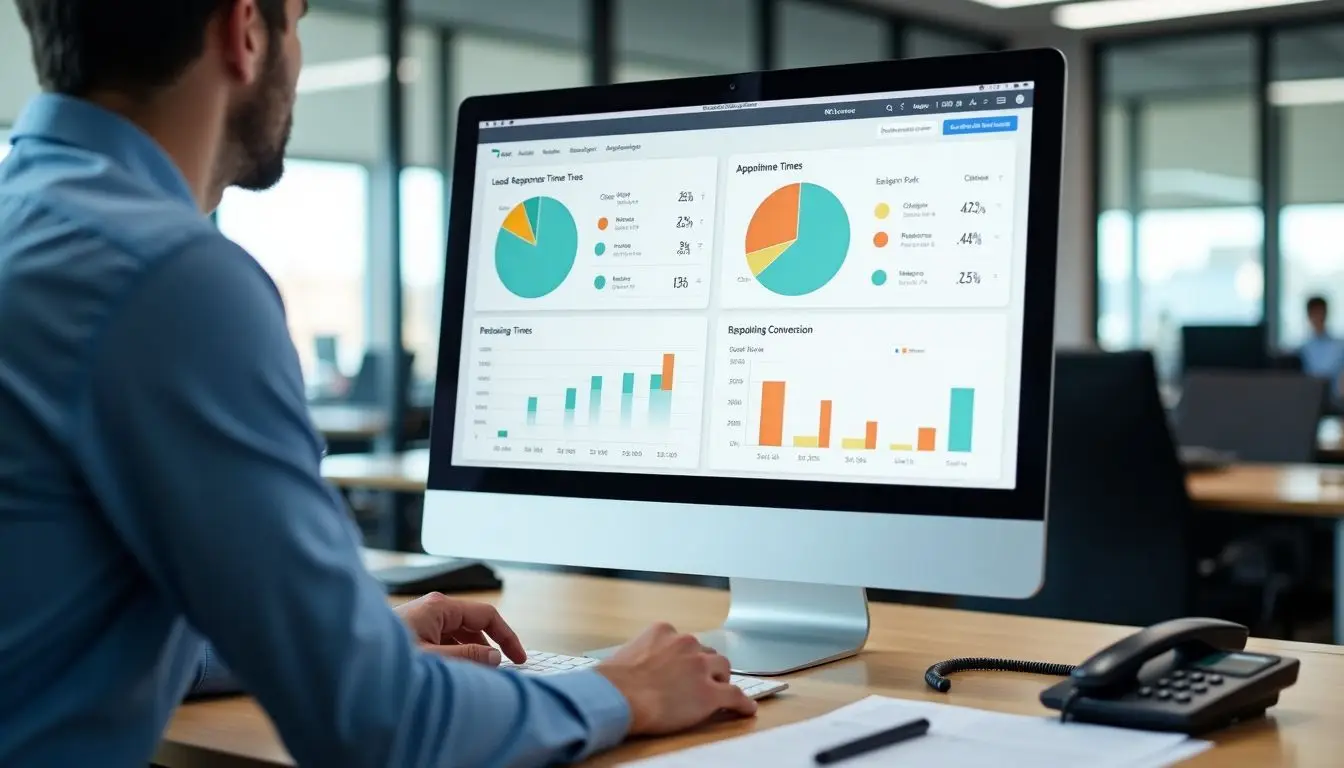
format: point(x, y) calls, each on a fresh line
point(806, 442)
point(854, 443)
point(901, 447)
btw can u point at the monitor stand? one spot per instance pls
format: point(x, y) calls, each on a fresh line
point(775, 627)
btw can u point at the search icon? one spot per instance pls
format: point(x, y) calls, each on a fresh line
point(888, 107)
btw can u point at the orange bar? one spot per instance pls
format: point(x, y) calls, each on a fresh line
point(928, 436)
point(772, 414)
point(870, 437)
point(669, 363)
point(824, 431)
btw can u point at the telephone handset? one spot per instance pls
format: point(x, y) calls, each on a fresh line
point(1186, 675)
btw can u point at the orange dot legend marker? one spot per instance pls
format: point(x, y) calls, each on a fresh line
point(602, 223)
point(880, 239)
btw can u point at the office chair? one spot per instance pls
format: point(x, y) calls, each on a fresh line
point(1270, 416)
point(366, 388)
point(1116, 529)
point(1258, 415)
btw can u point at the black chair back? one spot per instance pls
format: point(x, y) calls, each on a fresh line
point(1116, 526)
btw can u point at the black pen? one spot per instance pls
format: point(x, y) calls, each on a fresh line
point(874, 742)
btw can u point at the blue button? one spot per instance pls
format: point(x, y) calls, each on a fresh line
point(979, 125)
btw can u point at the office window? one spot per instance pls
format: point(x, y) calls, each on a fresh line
point(485, 63)
point(1307, 91)
point(920, 41)
point(812, 34)
point(423, 250)
point(1181, 191)
point(310, 232)
point(18, 81)
point(656, 40)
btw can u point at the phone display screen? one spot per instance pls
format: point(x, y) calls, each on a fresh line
point(1234, 664)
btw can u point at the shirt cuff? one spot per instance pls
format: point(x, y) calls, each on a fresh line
point(212, 677)
point(602, 707)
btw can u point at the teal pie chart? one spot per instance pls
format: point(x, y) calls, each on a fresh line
point(536, 247)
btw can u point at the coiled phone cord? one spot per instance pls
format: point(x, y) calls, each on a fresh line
point(936, 675)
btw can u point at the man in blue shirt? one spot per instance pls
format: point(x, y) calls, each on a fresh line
point(159, 475)
point(1323, 354)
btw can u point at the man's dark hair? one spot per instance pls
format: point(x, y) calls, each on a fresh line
point(1317, 304)
point(131, 46)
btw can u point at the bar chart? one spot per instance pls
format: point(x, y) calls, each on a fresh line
point(915, 399)
point(960, 425)
point(585, 393)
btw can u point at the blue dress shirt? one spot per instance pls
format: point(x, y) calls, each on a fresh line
point(1323, 357)
point(160, 486)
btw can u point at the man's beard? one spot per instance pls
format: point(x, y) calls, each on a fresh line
point(258, 148)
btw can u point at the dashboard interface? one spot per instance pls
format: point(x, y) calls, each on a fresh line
point(822, 289)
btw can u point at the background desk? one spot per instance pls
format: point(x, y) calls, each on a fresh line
point(572, 613)
point(1295, 489)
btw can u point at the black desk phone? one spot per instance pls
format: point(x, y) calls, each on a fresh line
point(1186, 675)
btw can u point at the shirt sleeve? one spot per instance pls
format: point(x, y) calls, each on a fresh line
point(195, 438)
point(212, 677)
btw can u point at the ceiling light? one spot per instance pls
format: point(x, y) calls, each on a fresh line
point(1112, 13)
point(1288, 93)
point(353, 73)
point(1014, 3)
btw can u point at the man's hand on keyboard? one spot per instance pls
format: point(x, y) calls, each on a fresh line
point(672, 682)
point(461, 629)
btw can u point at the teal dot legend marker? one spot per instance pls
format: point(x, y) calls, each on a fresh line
point(880, 277)
point(600, 249)
point(600, 282)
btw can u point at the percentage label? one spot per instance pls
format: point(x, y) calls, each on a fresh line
point(973, 206)
point(686, 197)
point(684, 222)
point(968, 278)
point(970, 238)
point(684, 248)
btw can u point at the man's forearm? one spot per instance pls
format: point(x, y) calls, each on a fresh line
point(213, 678)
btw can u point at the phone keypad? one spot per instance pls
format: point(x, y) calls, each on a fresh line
point(1180, 686)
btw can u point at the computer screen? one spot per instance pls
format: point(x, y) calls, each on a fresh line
point(813, 289)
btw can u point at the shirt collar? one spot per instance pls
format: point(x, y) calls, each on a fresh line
point(83, 124)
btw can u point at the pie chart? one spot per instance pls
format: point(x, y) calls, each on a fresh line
point(797, 239)
point(536, 247)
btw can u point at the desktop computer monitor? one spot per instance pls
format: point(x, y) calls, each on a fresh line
point(792, 327)
point(1226, 347)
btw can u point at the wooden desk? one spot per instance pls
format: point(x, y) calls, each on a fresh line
point(569, 613)
point(402, 472)
point(351, 423)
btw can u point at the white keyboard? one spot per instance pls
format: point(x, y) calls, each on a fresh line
point(542, 663)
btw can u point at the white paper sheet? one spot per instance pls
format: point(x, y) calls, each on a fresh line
point(958, 737)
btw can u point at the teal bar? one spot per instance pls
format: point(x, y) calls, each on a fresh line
point(961, 420)
point(660, 407)
point(503, 433)
point(656, 382)
point(571, 400)
point(531, 411)
point(627, 408)
point(628, 384)
point(595, 401)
